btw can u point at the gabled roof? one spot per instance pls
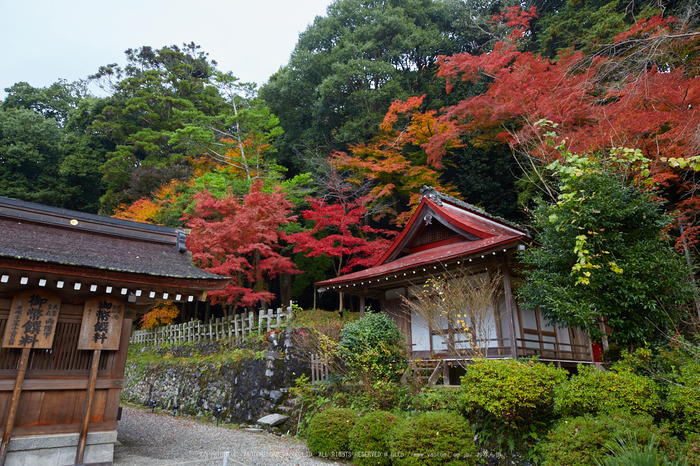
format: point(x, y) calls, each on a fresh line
point(441, 230)
point(37, 233)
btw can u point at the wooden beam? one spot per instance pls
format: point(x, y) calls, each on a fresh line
point(61, 384)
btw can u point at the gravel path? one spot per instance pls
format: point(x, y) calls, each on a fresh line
point(161, 439)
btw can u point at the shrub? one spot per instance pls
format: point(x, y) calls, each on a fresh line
point(628, 452)
point(369, 438)
point(595, 391)
point(690, 450)
point(432, 399)
point(510, 402)
point(434, 438)
point(328, 431)
point(683, 400)
point(585, 440)
point(517, 392)
point(374, 347)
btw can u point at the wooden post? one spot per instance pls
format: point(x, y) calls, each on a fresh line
point(88, 406)
point(13, 406)
point(362, 306)
point(510, 310)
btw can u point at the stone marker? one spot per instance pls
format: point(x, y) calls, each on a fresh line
point(273, 420)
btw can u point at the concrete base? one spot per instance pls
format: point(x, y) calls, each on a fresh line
point(60, 449)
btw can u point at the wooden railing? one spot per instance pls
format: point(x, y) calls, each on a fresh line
point(231, 327)
point(500, 348)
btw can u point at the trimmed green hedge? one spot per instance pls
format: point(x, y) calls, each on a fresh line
point(433, 439)
point(328, 432)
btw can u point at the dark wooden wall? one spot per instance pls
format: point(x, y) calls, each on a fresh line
point(55, 385)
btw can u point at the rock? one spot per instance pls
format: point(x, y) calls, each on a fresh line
point(272, 420)
point(275, 395)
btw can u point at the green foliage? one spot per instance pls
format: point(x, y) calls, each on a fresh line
point(328, 431)
point(349, 66)
point(510, 402)
point(437, 398)
point(434, 438)
point(690, 450)
point(628, 452)
point(594, 391)
point(373, 347)
point(30, 157)
point(589, 24)
point(518, 393)
point(583, 441)
point(369, 438)
point(603, 253)
point(683, 399)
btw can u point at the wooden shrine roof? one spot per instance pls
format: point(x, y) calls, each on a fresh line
point(442, 230)
point(33, 232)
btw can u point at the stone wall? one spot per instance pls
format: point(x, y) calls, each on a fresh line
point(248, 380)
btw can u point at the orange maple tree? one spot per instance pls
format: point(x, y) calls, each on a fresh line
point(394, 161)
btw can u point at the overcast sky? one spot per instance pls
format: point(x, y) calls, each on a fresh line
point(45, 40)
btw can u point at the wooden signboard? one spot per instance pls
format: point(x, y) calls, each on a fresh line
point(102, 324)
point(32, 320)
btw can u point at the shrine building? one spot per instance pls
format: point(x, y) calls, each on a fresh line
point(71, 286)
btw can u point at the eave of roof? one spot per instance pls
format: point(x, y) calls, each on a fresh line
point(441, 254)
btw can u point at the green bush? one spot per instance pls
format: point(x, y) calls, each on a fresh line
point(434, 438)
point(369, 438)
point(374, 347)
point(683, 400)
point(510, 403)
point(690, 450)
point(328, 432)
point(432, 399)
point(517, 392)
point(586, 440)
point(629, 452)
point(594, 391)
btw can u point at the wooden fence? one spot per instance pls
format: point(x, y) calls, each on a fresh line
point(231, 327)
point(319, 368)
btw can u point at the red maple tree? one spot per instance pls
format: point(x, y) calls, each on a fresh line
point(240, 238)
point(339, 232)
point(643, 93)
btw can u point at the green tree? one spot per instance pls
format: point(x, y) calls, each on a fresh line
point(73, 173)
point(603, 256)
point(30, 151)
point(349, 66)
point(150, 99)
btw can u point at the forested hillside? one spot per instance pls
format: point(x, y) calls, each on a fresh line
point(311, 174)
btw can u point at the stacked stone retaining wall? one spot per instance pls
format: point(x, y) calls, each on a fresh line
point(247, 381)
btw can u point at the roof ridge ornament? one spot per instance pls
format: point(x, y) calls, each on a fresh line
point(431, 193)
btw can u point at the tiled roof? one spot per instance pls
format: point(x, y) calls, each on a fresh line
point(45, 234)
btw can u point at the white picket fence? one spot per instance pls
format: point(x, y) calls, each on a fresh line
point(231, 327)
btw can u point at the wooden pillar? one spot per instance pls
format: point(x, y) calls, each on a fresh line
point(14, 404)
point(362, 306)
point(88, 407)
point(510, 310)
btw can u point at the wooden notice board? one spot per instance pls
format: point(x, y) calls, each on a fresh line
point(32, 320)
point(101, 328)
